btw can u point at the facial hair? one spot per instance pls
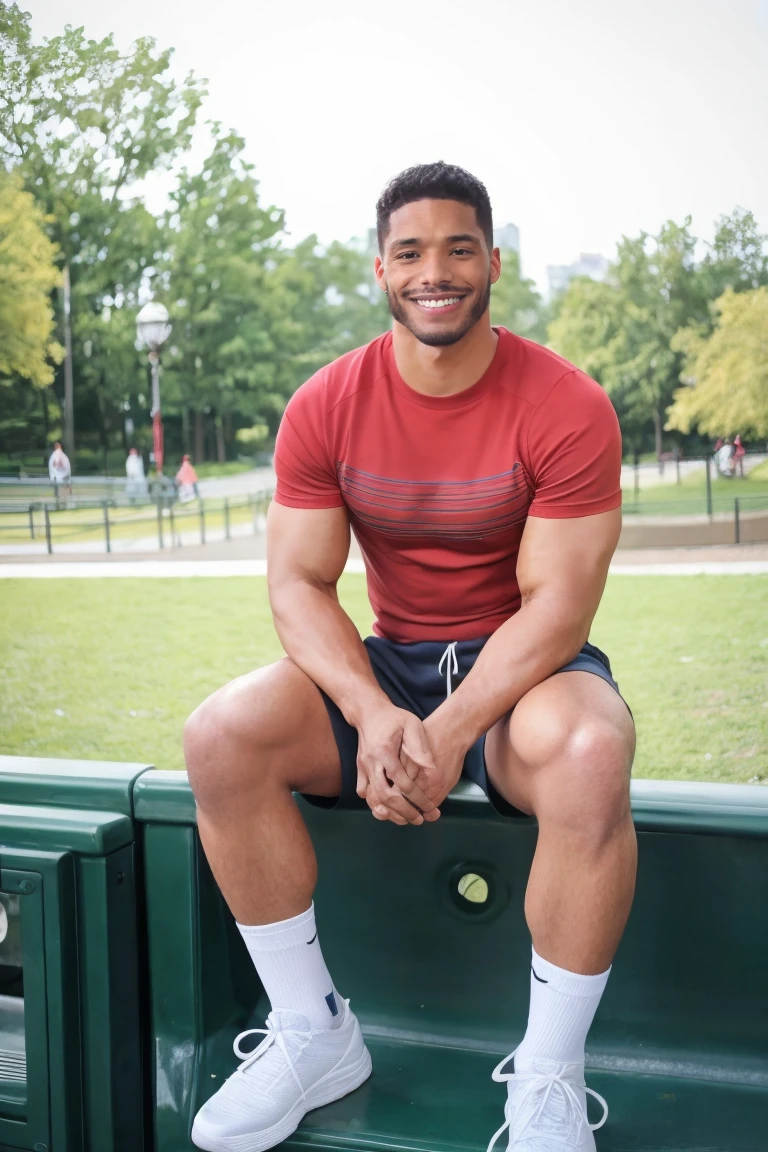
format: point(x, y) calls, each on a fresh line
point(441, 339)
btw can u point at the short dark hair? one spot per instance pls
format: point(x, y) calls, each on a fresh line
point(438, 181)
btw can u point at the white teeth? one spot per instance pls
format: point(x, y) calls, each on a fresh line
point(439, 303)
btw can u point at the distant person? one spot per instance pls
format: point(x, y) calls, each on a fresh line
point(725, 459)
point(136, 486)
point(59, 468)
point(739, 452)
point(186, 478)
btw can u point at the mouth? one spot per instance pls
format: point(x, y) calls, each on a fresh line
point(438, 304)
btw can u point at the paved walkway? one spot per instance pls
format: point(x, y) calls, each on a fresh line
point(746, 559)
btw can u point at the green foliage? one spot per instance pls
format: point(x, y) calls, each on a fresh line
point(726, 372)
point(27, 277)
point(81, 122)
point(515, 303)
point(623, 332)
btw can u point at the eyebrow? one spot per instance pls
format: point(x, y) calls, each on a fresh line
point(414, 241)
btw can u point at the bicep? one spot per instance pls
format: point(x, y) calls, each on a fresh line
point(306, 544)
point(566, 561)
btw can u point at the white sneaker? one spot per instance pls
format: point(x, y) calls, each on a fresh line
point(546, 1109)
point(293, 1070)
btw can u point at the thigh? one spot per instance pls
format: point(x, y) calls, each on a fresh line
point(569, 716)
point(270, 720)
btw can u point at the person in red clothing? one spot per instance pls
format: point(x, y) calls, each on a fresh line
point(480, 475)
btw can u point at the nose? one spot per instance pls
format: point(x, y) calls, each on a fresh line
point(435, 268)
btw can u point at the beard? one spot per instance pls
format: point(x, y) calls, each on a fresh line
point(451, 336)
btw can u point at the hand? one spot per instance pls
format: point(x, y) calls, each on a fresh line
point(392, 789)
point(448, 752)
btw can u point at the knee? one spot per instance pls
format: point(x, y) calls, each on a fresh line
point(222, 750)
point(587, 783)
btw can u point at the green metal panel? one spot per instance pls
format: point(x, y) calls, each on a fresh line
point(53, 1114)
point(87, 833)
point(69, 783)
point(110, 1004)
point(92, 936)
point(678, 1046)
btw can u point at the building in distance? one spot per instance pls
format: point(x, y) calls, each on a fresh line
point(507, 237)
point(590, 264)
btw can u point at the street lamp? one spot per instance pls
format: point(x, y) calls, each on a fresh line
point(153, 328)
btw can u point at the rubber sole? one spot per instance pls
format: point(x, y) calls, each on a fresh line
point(350, 1079)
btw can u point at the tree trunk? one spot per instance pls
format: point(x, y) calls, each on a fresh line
point(199, 437)
point(185, 437)
point(221, 454)
point(657, 430)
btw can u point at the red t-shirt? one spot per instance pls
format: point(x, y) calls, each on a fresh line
point(438, 488)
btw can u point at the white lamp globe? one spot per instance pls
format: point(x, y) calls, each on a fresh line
point(153, 325)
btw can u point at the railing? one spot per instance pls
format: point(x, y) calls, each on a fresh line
point(134, 527)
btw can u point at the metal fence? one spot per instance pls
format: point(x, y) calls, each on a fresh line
point(111, 526)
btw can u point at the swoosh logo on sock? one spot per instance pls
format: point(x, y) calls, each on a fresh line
point(313, 939)
point(539, 978)
point(331, 1002)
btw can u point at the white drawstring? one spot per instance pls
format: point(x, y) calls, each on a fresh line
point(450, 656)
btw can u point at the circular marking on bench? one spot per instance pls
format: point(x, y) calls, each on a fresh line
point(473, 888)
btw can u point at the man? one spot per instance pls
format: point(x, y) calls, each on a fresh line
point(480, 473)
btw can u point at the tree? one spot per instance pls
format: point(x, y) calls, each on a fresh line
point(737, 258)
point(82, 122)
point(28, 275)
point(726, 372)
point(651, 291)
point(515, 303)
point(234, 334)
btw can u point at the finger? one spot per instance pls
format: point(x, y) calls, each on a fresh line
point(380, 810)
point(397, 775)
point(416, 741)
point(392, 798)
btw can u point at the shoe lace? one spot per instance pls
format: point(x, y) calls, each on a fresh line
point(554, 1083)
point(273, 1036)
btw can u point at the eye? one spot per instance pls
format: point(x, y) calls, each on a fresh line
point(407, 255)
point(462, 252)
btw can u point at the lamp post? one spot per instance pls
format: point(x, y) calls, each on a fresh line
point(153, 328)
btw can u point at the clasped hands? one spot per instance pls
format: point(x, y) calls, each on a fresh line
point(406, 767)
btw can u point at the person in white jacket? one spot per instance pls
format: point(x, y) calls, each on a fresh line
point(136, 486)
point(59, 468)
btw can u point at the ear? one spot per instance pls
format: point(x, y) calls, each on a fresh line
point(378, 271)
point(495, 265)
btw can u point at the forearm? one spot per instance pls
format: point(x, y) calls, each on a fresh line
point(320, 638)
point(528, 648)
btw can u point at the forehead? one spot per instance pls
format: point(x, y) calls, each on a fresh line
point(432, 221)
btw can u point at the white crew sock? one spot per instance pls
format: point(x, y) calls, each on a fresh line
point(563, 1005)
point(290, 965)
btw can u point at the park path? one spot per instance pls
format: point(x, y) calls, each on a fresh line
point(747, 559)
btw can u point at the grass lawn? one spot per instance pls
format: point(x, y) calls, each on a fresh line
point(109, 669)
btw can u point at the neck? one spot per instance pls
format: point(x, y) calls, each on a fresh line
point(444, 371)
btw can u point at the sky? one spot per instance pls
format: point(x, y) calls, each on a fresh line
point(586, 119)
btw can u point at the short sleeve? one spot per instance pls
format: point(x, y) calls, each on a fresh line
point(306, 476)
point(574, 450)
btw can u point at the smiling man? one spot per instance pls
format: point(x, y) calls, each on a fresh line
point(480, 474)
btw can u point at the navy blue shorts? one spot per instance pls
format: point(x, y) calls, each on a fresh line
point(415, 677)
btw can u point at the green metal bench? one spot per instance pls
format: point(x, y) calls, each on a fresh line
point(439, 981)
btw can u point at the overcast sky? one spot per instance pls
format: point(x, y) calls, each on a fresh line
point(586, 119)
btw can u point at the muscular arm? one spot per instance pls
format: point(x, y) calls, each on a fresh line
point(307, 550)
point(562, 568)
